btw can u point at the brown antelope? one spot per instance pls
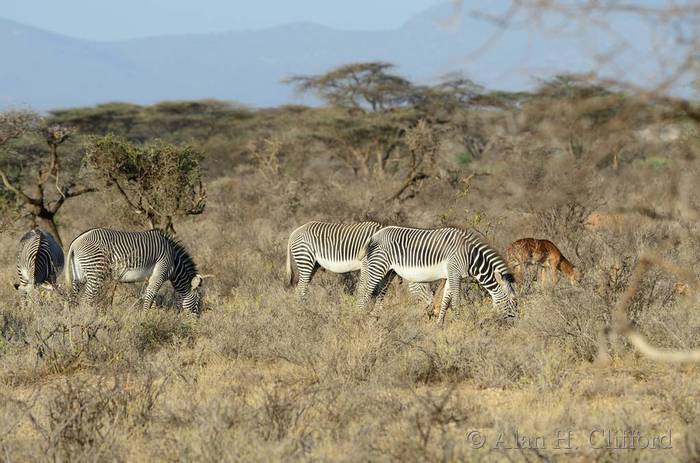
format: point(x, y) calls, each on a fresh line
point(542, 253)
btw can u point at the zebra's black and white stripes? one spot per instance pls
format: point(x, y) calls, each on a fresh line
point(100, 254)
point(420, 255)
point(333, 246)
point(39, 260)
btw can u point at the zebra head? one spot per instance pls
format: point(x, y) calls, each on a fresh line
point(491, 271)
point(185, 278)
point(192, 299)
point(503, 296)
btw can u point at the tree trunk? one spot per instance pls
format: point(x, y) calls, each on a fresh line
point(164, 223)
point(48, 223)
point(169, 227)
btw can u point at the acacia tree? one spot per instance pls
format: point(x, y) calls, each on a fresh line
point(588, 114)
point(454, 91)
point(357, 86)
point(571, 87)
point(43, 189)
point(158, 181)
point(365, 145)
point(461, 88)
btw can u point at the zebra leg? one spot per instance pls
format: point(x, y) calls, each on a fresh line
point(361, 288)
point(451, 294)
point(92, 290)
point(305, 277)
point(306, 265)
point(77, 292)
point(154, 283)
point(434, 308)
point(384, 287)
point(422, 291)
point(91, 287)
point(376, 271)
point(446, 296)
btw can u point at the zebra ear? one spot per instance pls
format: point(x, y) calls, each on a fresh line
point(196, 281)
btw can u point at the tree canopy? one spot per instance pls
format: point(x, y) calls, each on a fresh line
point(358, 86)
point(38, 184)
point(158, 181)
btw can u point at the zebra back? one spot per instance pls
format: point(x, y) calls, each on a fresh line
point(124, 250)
point(415, 247)
point(334, 241)
point(419, 247)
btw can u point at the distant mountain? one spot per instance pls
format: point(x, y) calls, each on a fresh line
point(47, 70)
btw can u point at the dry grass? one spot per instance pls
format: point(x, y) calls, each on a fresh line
point(260, 376)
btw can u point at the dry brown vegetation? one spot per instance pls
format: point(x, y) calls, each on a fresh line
point(260, 376)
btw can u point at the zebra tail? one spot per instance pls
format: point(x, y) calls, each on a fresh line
point(69, 269)
point(290, 271)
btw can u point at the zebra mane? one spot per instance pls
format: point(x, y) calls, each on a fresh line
point(479, 239)
point(179, 249)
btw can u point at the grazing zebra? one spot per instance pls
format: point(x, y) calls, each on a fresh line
point(39, 260)
point(99, 254)
point(420, 255)
point(333, 246)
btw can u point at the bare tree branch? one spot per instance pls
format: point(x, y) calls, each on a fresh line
point(14, 125)
point(623, 327)
point(16, 191)
point(422, 145)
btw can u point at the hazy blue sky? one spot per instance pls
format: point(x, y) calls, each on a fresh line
point(119, 19)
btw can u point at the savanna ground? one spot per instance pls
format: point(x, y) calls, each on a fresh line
point(260, 376)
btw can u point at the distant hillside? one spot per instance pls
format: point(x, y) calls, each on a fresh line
point(47, 70)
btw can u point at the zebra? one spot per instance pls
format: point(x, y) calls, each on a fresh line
point(424, 255)
point(101, 253)
point(39, 260)
point(333, 246)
